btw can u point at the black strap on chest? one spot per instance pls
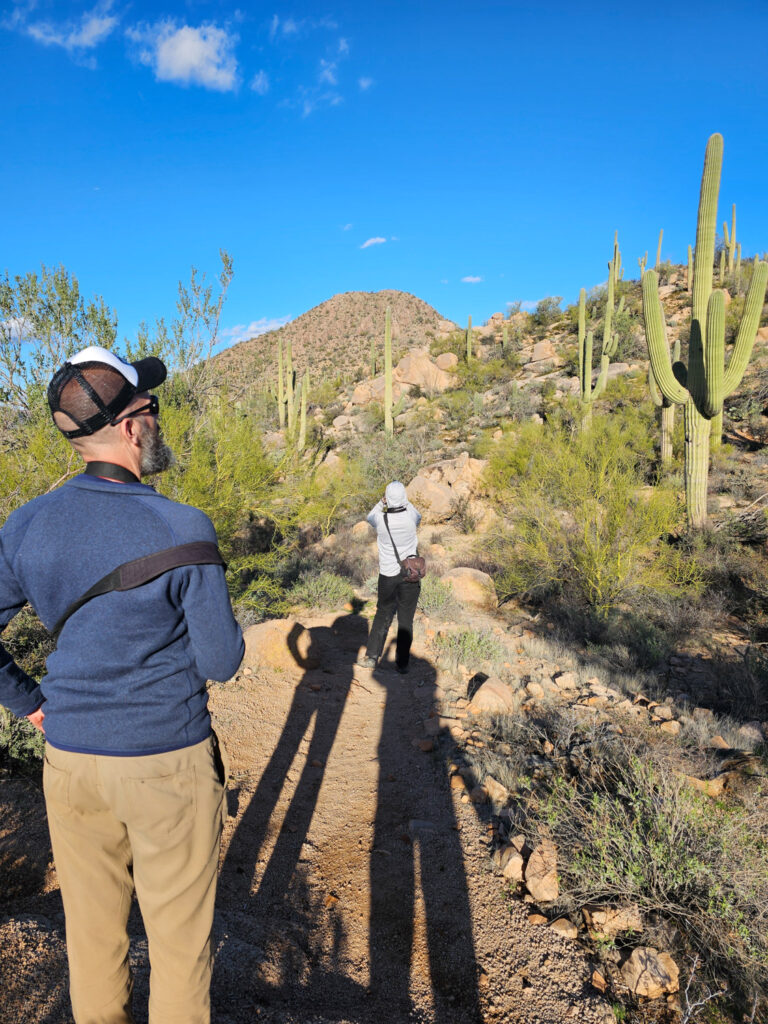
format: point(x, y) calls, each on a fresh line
point(136, 573)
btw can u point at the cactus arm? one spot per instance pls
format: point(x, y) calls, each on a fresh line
point(745, 339)
point(655, 393)
point(658, 350)
point(658, 251)
point(704, 255)
point(586, 369)
point(608, 346)
point(726, 235)
point(714, 356)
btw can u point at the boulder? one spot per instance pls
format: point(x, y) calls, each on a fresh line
point(606, 922)
point(498, 794)
point(649, 973)
point(446, 360)
point(434, 500)
point(762, 334)
point(362, 530)
point(280, 644)
point(543, 350)
point(541, 873)
point(494, 696)
point(565, 928)
point(472, 587)
point(417, 369)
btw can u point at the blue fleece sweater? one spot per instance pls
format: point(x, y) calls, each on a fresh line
point(128, 675)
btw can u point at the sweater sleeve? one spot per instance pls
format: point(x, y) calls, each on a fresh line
point(375, 512)
point(415, 513)
point(18, 692)
point(216, 638)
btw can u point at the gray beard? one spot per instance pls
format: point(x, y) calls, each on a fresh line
point(156, 456)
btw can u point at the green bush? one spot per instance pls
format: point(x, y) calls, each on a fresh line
point(580, 520)
point(322, 590)
point(635, 832)
point(436, 598)
point(21, 744)
point(469, 647)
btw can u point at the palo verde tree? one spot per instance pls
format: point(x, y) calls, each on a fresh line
point(701, 386)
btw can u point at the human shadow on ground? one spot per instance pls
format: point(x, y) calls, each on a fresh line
point(283, 956)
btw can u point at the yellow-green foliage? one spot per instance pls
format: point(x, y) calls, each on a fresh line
point(580, 516)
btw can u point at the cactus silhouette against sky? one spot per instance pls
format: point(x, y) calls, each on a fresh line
point(702, 386)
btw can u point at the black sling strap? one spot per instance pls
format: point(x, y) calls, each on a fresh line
point(142, 570)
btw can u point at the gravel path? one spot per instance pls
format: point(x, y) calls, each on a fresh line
point(356, 888)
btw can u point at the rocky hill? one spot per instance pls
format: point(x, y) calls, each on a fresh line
point(335, 337)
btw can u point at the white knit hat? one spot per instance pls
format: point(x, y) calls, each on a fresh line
point(395, 494)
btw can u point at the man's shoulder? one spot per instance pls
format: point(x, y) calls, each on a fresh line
point(188, 522)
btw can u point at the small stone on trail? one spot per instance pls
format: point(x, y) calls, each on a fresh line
point(672, 728)
point(649, 973)
point(541, 872)
point(479, 795)
point(718, 743)
point(536, 919)
point(598, 981)
point(331, 900)
point(316, 763)
point(565, 928)
point(425, 745)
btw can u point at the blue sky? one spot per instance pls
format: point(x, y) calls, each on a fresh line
point(471, 153)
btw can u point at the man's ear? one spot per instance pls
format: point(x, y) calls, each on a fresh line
point(130, 431)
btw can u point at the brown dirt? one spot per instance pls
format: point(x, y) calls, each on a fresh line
point(355, 885)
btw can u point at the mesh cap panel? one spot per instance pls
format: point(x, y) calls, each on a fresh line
point(91, 394)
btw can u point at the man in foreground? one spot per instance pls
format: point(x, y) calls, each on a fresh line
point(134, 786)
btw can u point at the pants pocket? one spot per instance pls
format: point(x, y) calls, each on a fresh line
point(163, 805)
point(56, 785)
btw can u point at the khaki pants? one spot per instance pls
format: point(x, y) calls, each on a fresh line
point(152, 824)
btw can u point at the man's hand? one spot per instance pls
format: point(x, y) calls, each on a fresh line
point(36, 718)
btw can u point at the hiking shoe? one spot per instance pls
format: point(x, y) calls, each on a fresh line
point(402, 670)
point(366, 662)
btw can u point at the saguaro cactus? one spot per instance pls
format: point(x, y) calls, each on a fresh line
point(730, 238)
point(280, 391)
point(469, 339)
point(290, 388)
point(667, 408)
point(587, 392)
point(302, 441)
point(389, 426)
point(702, 386)
point(658, 251)
point(689, 282)
point(642, 261)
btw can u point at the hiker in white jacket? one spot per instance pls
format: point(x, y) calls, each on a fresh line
point(394, 594)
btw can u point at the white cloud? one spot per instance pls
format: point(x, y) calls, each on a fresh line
point(76, 36)
point(260, 83)
point(365, 83)
point(529, 304)
point(471, 279)
point(328, 72)
point(189, 56)
point(395, 238)
point(242, 332)
point(443, 280)
point(274, 25)
point(343, 46)
point(347, 227)
point(291, 27)
point(373, 241)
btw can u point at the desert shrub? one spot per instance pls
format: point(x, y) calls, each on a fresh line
point(29, 644)
point(477, 375)
point(436, 598)
point(462, 515)
point(547, 311)
point(455, 342)
point(580, 522)
point(469, 647)
point(21, 744)
point(457, 408)
point(633, 831)
point(323, 590)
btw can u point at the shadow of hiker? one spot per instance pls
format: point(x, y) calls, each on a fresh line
point(297, 948)
point(291, 951)
point(416, 841)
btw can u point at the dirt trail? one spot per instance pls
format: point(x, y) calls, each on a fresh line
point(355, 885)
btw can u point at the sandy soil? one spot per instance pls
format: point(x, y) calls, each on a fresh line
point(355, 886)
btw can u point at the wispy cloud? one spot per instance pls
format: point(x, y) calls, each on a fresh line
point(285, 28)
point(260, 83)
point(373, 241)
point(528, 304)
point(365, 83)
point(328, 72)
point(188, 56)
point(78, 36)
point(242, 332)
point(471, 279)
point(348, 227)
point(343, 47)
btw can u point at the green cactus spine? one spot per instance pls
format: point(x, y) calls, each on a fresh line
point(302, 441)
point(587, 392)
point(702, 386)
point(658, 251)
point(689, 282)
point(389, 426)
point(280, 391)
point(469, 339)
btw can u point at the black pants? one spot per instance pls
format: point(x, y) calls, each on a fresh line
point(394, 595)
